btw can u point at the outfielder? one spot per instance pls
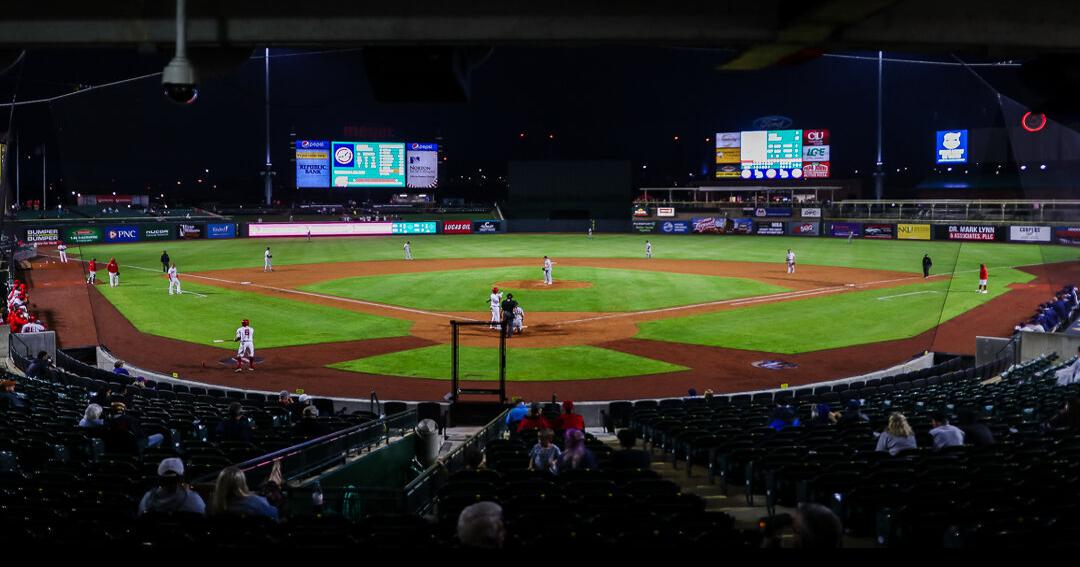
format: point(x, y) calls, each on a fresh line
point(408, 251)
point(495, 300)
point(62, 249)
point(245, 335)
point(790, 261)
point(648, 249)
point(174, 281)
point(268, 261)
point(547, 270)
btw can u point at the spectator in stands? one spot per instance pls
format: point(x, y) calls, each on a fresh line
point(897, 436)
point(237, 426)
point(944, 434)
point(481, 525)
point(544, 455)
point(309, 425)
point(516, 414)
point(120, 422)
point(784, 417)
point(569, 419)
point(628, 456)
point(9, 398)
point(853, 413)
point(691, 393)
point(817, 527)
point(822, 414)
point(92, 417)
point(708, 395)
point(39, 367)
point(232, 497)
point(1068, 417)
point(576, 456)
point(534, 420)
point(975, 433)
point(118, 368)
point(171, 495)
point(298, 408)
point(285, 401)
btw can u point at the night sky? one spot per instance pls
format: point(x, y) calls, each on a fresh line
point(599, 103)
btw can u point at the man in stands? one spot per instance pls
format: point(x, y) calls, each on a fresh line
point(481, 525)
point(120, 422)
point(309, 426)
point(627, 457)
point(569, 419)
point(237, 427)
point(118, 368)
point(853, 413)
point(975, 433)
point(171, 495)
point(8, 397)
point(516, 414)
point(534, 420)
point(944, 435)
point(39, 367)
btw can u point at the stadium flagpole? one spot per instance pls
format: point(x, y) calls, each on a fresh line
point(879, 171)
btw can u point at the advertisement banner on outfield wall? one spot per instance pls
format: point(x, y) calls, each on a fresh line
point(161, 232)
point(811, 213)
point(721, 225)
point(665, 212)
point(42, 235)
point(186, 231)
point(641, 211)
point(428, 227)
point(1029, 234)
point(796, 228)
point(982, 233)
point(741, 226)
point(644, 226)
point(487, 226)
point(83, 235)
point(1068, 235)
point(115, 234)
point(277, 229)
point(457, 227)
point(844, 229)
point(221, 230)
point(913, 232)
point(769, 228)
point(675, 227)
point(879, 231)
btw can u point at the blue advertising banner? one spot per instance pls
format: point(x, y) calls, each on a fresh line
point(952, 146)
point(121, 234)
point(772, 212)
point(844, 229)
point(221, 230)
point(675, 227)
point(487, 226)
point(312, 163)
point(741, 226)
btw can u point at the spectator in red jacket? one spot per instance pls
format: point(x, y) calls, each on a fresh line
point(569, 419)
point(533, 420)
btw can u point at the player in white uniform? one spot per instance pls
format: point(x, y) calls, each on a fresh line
point(62, 249)
point(648, 249)
point(245, 335)
point(547, 270)
point(495, 300)
point(268, 264)
point(519, 320)
point(408, 251)
point(790, 261)
point(33, 326)
point(174, 281)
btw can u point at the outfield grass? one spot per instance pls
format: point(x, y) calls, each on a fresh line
point(522, 364)
point(611, 290)
point(143, 298)
point(834, 321)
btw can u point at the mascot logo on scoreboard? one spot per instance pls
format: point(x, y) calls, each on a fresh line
point(343, 155)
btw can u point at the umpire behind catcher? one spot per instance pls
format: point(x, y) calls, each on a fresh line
point(508, 306)
point(926, 263)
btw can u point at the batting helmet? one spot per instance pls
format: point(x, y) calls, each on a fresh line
point(495, 290)
point(244, 322)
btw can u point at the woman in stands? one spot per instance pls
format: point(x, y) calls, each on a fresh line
point(897, 436)
point(92, 417)
point(576, 456)
point(232, 497)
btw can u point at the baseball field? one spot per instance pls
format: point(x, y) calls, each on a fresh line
point(349, 315)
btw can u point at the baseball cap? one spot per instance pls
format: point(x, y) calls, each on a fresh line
point(568, 405)
point(304, 398)
point(853, 404)
point(171, 467)
point(283, 394)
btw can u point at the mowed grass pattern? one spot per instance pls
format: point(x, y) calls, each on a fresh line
point(611, 289)
point(834, 321)
point(522, 364)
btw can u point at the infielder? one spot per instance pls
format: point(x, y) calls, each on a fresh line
point(114, 272)
point(547, 270)
point(648, 249)
point(494, 301)
point(790, 261)
point(174, 281)
point(245, 335)
point(408, 251)
point(92, 269)
point(268, 264)
point(62, 249)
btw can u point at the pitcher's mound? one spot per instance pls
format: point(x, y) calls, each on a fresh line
point(539, 284)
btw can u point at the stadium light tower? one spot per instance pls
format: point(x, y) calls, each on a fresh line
point(268, 172)
point(879, 171)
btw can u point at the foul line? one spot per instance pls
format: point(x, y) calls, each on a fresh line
point(888, 297)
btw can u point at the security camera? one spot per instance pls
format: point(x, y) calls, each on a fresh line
point(178, 81)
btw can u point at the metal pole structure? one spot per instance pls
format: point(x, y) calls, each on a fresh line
point(44, 180)
point(268, 183)
point(18, 195)
point(879, 171)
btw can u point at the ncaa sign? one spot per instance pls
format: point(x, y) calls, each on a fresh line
point(121, 234)
point(815, 153)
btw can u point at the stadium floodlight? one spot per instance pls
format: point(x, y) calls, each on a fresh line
point(178, 79)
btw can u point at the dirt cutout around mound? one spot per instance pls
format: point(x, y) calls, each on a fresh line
point(539, 285)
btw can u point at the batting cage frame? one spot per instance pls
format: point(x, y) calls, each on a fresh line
point(455, 389)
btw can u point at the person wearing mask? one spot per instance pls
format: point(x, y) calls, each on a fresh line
point(171, 495)
point(897, 436)
point(309, 426)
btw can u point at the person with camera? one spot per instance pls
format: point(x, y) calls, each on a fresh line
point(39, 367)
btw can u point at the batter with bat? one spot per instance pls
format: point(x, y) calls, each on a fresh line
point(245, 335)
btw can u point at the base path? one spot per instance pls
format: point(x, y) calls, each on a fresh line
point(83, 317)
